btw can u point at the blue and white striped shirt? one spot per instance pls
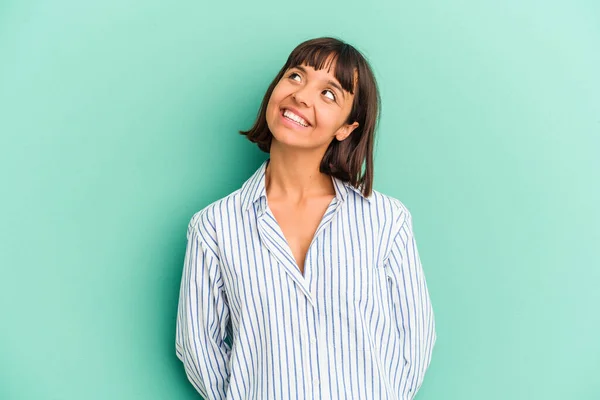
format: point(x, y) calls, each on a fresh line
point(358, 324)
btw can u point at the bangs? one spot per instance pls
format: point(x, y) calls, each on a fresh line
point(322, 56)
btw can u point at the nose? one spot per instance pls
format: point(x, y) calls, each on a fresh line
point(303, 96)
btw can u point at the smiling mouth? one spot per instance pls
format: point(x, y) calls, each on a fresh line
point(290, 116)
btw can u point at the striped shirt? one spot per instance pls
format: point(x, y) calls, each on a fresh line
point(357, 324)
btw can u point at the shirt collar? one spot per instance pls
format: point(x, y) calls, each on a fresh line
point(254, 188)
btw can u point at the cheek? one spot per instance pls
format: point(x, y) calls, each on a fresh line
point(327, 119)
point(274, 100)
point(279, 91)
point(271, 109)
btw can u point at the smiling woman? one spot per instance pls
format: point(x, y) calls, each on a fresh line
point(315, 275)
point(333, 82)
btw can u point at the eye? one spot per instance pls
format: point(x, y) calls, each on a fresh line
point(332, 94)
point(292, 74)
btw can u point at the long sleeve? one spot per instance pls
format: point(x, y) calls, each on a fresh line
point(412, 310)
point(202, 318)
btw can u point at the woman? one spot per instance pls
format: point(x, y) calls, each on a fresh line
point(314, 275)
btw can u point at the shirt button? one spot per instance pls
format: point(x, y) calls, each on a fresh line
point(316, 381)
point(313, 340)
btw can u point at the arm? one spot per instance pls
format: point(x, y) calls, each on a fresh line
point(202, 318)
point(412, 309)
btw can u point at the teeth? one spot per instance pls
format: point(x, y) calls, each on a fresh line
point(294, 117)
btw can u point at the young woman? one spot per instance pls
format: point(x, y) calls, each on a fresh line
point(314, 275)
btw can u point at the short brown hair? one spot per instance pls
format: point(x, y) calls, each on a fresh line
point(344, 159)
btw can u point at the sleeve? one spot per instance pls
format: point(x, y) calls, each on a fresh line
point(412, 310)
point(202, 319)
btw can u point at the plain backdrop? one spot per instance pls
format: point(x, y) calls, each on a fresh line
point(119, 120)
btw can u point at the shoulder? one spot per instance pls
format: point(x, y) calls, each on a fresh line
point(398, 211)
point(399, 231)
point(205, 221)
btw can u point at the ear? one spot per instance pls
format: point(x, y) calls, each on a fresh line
point(345, 131)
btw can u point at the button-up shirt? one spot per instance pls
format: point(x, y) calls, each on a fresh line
point(357, 324)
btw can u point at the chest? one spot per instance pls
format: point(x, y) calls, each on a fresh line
point(299, 224)
point(342, 254)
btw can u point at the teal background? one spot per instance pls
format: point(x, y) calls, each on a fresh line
point(119, 119)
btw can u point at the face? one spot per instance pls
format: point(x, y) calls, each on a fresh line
point(309, 108)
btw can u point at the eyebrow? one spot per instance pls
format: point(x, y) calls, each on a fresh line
point(330, 82)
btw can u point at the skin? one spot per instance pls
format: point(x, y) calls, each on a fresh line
point(297, 193)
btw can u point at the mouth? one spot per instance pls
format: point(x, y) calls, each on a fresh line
point(293, 118)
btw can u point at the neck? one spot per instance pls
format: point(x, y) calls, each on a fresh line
point(295, 177)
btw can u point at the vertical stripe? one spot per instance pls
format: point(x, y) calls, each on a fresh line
point(357, 324)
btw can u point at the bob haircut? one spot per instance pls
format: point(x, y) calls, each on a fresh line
point(342, 159)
